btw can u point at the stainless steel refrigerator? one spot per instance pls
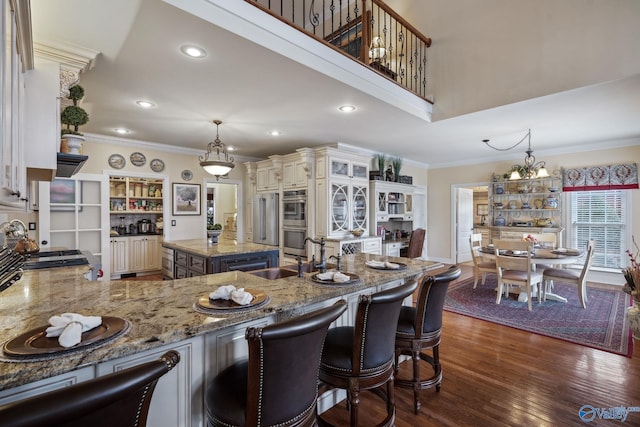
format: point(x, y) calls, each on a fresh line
point(265, 219)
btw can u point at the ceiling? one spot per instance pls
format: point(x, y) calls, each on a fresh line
point(493, 91)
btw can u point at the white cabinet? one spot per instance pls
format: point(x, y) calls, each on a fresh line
point(294, 174)
point(46, 385)
point(119, 255)
point(144, 253)
point(390, 200)
point(392, 248)
point(267, 178)
point(370, 245)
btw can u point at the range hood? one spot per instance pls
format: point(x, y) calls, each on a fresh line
point(69, 164)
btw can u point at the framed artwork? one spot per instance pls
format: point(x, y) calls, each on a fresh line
point(482, 210)
point(62, 195)
point(186, 199)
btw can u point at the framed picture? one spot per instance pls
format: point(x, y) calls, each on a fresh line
point(62, 195)
point(482, 210)
point(186, 199)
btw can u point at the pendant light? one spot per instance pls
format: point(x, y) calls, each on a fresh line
point(219, 163)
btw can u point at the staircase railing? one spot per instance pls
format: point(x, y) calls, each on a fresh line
point(367, 30)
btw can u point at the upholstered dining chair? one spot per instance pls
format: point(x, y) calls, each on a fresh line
point(516, 270)
point(566, 275)
point(419, 329)
point(481, 267)
point(118, 399)
point(278, 384)
point(361, 357)
point(416, 242)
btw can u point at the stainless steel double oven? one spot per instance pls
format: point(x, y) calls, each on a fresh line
point(294, 225)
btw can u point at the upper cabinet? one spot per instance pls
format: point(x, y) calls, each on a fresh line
point(296, 169)
point(268, 174)
point(391, 200)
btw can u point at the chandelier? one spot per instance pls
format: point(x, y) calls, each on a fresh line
point(531, 169)
point(220, 163)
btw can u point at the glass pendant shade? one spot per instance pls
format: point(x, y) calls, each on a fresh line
point(216, 160)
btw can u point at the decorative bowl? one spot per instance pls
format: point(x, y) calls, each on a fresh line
point(359, 232)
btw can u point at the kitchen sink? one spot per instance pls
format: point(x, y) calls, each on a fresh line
point(307, 267)
point(274, 273)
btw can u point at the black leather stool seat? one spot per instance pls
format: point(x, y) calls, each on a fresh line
point(278, 384)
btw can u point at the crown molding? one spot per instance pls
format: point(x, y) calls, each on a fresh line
point(24, 34)
point(71, 57)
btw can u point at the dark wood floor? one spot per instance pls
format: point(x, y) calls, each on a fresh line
point(499, 376)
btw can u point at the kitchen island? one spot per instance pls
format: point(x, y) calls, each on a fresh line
point(162, 316)
point(196, 257)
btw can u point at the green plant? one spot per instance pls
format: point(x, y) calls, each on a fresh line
point(73, 115)
point(214, 226)
point(380, 158)
point(397, 165)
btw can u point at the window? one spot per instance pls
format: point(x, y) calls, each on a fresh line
point(601, 216)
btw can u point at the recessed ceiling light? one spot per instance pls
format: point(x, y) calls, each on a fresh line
point(145, 104)
point(122, 131)
point(193, 51)
point(275, 132)
point(347, 108)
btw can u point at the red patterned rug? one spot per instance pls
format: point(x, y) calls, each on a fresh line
point(602, 325)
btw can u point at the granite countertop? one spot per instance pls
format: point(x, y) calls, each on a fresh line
point(223, 247)
point(160, 312)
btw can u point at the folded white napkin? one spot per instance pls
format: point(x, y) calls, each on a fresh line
point(240, 296)
point(68, 327)
point(376, 264)
point(325, 276)
point(391, 265)
point(223, 292)
point(340, 278)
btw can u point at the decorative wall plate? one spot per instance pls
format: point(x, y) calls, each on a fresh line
point(116, 161)
point(187, 175)
point(138, 159)
point(157, 165)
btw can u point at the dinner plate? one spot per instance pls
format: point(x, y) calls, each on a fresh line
point(401, 266)
point(36, 343)
point(221, 304)
point(117, 161)
point(157, 165)
point(352, 278)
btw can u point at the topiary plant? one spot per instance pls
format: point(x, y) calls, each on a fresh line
point(214, 226)
point(73, 115)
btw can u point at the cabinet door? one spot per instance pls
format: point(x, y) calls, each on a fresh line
point(261, 179)
point(120, 255)
point(136, 254)
point(339, 221)
point(294, 175)
point(359, 214)
point(360, 171)
point(152, 259)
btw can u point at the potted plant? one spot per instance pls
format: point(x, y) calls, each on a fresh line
point(378, 160)
point(397, 164)
point(213, 231)
point(73, 115)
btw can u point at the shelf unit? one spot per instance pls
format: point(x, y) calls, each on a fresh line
point(129, 195)
point(525, 206)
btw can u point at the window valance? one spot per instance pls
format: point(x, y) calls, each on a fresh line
point(610, 177)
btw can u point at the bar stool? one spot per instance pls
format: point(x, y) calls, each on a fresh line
point(118, 399)
point(419, 328)
point(278, 384)
point(360, 357)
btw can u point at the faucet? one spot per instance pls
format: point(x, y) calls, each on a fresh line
point(322, 267)
point(338, 259)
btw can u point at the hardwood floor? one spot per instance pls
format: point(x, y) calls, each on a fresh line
point(499, 376)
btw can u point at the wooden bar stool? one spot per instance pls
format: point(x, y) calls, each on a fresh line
point(419, 329)
point(118, 399)
point(278, 384)
point(360, 357)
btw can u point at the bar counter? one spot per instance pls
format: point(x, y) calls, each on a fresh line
point(160, 312)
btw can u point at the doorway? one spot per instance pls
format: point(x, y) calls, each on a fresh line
point(465, 201)
point(222, 206)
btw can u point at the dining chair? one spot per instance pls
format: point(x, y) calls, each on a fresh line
point(278, 384)
point(567, 275)
point(416, 242)
point(513, 260)
point(481, 267)
point(118, 399)
point(419, 329)
point(361, 357)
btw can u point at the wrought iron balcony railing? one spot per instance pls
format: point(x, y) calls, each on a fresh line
point(367, 30)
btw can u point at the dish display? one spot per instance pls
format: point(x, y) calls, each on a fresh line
point(187, 175)
point(352, 278)
point(400, 265)
point(116, 161)
point(138, 159)
point(221, 304)
point(36, 343)
point(157, 165)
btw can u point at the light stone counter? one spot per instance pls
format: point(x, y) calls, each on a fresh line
point(223, 247)
point(160, 312)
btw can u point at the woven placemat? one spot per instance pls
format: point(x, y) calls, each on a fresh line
point(240, 309)
point(66, 352)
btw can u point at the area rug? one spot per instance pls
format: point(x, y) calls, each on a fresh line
point(602, 325)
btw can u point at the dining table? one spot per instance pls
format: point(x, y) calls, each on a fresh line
point(545, 256)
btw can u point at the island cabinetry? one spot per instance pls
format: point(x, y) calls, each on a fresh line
point(46, 385)
point(342, 193)
point(188, 265)
point(245, 262)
